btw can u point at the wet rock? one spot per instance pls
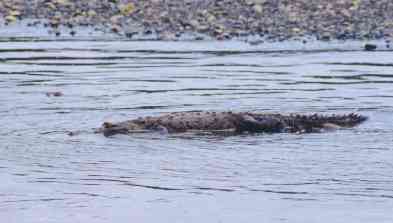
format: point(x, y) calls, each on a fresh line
point(255, 42)
point(147, 32)
point(199, 38)
point(116, 28)
point(370, 47)
point(131, 31)
point(325, 37)
point(54, 94)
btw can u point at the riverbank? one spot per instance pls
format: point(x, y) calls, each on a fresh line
point(272, 20)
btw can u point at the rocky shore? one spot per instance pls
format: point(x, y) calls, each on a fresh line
point(215, 19)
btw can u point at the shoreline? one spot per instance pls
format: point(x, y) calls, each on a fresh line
point(255, 21)
point(119, 43)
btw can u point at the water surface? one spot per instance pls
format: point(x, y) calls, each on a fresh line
point(47, 176)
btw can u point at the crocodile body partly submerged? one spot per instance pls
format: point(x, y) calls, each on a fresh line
point(236, 123)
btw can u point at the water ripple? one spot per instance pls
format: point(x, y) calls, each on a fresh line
point(123, 80)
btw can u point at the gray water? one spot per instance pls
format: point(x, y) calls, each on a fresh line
point(48, 176)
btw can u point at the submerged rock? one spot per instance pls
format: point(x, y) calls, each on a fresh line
point(54, 94)
point(370, 47)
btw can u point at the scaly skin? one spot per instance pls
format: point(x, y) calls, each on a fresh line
point(237, 123)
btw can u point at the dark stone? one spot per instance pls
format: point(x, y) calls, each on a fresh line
point(325, 38)
point(342, 36)
point(370, 47)
point(54, 94)
point(148, 32)
point(130, 34)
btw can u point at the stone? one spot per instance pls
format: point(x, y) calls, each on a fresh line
point(276, 20)
point(127, 9)
point(258, 8)
point(370, 47)
point(54, 94)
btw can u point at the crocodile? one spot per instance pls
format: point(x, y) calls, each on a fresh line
point(232, 122)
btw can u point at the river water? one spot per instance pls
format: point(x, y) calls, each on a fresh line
point(48, 176)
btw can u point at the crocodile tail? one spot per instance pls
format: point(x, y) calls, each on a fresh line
point(316, 122)
point(347, 120)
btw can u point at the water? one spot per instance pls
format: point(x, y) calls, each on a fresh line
point(47, 176)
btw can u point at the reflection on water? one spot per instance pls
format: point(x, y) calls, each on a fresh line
point(344, 175)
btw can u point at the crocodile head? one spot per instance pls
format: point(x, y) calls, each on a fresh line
point(109, 128)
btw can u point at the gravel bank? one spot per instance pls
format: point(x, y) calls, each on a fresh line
point(219, 19)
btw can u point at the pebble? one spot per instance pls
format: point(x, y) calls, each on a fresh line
point(220, 19)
